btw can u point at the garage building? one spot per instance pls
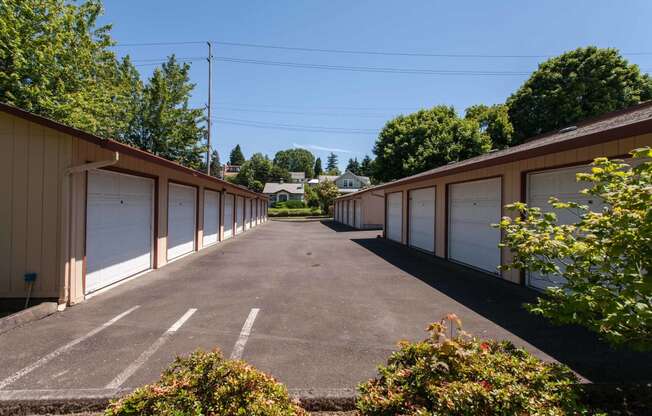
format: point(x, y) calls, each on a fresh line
point(448, 211)
point(84, 213)
point(362, 209)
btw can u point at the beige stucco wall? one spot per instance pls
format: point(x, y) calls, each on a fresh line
point(372, 204)
point(43, 209)
point(511, 174)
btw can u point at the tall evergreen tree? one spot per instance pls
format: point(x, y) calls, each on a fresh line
point(318, 169)
point(331, 163)
point(366, 166)
point(353, 166)
point(236, 157)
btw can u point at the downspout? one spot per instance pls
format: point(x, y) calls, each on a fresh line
point(66, 212)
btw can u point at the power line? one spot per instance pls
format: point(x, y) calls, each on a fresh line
point(412, 71)
point(386, 70)
point(308, 113)
point(361, 52)
point(293, 127)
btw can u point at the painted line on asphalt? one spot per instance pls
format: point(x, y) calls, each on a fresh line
point(133, 367)
point(20, 373)
point(239, 346)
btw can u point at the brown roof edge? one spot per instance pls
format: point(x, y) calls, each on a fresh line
point(598, 137)
point(115, 145)
point(360, 192)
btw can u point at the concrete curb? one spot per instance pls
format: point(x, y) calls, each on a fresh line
point(33, 313)
point(35, 402)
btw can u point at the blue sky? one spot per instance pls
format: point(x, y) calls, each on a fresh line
point(352, 105)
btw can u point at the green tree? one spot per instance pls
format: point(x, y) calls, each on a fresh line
point(55, 61)
point(296, 160)
point(366, 166)
point(310, 196)
point(494, 122)
point(331, 163)
point(353, 166)
point(318, 169)
point(236, 158)
point(576, 85)
point(216, 166)
point(165, 123)
point(424, 140)
point(279, 174)
point(605, 257)
point(326, 192)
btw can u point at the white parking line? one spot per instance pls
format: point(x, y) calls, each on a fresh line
point(238, 348)
point(7, 381)
point(133, 367)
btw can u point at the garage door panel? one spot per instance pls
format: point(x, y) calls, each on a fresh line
point(358, 214)
point(473, 207)
point(395, 216)
point(229, 202)
point(422, 219)
point(239, 215)
point(211, 218)
point(182, 211)
point(119, 227)
point(562, 184)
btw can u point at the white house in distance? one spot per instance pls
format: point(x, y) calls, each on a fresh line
point(348, 182)
point(279, 192)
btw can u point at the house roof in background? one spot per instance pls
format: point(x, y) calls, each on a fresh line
point(291, 188)
point(632, 121)
point(114, 145)
point(298, 175)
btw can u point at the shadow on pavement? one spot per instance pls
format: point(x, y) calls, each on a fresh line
point(502, 303)
point(338, 227)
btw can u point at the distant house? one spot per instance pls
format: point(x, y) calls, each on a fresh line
point(347, 182)
point(298, 177)
point(279, 192)
point(230, 170)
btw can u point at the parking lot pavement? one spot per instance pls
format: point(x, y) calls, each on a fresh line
point(317, 305)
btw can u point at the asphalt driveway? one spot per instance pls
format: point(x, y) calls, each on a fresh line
point(317, 305)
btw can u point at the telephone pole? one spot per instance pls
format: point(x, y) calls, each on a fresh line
point(208, 135)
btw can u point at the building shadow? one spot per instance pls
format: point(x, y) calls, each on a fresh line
point(338, 227)
point(502, 303)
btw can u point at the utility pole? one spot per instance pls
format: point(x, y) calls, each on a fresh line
point(208, 135)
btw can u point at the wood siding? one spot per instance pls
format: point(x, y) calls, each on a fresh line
point(43, 209)
point(511, 174)
point(32, 163)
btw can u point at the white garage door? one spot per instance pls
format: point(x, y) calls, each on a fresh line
point(358, 213)
point(560, 183)
point(422, 219)
point(473, 207)
point(394, 216)
point(350, 219)
point(211, 217)
point(239, 214)
point(250, 212)
point(181, 219)
point(119, 224)
point(228, 215)
point(247, 214)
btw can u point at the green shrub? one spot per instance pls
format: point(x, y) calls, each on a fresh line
point(207, 384)
point(292, 204)
point(300, 212)
point(460, 375)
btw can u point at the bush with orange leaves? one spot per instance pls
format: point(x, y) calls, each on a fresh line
point(452, 373)
point(204, 383)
